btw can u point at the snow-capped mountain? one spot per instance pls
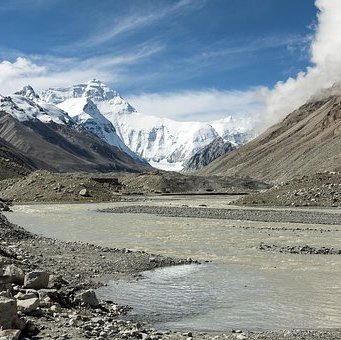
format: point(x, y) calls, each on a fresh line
point(52, 139)
point(86, 114)
point(94, 90)
point(163, 142)
point(26, 105)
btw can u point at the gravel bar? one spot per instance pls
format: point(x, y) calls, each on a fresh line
point(261, 215)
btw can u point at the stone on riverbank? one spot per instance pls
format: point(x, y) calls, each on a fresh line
point(8, 312)
point(16, 274)
point(36, 280)
point(28, 306)
point(88, 297)
point(84, 192)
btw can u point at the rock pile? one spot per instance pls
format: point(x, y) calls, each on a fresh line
point(321, 189)
point(45, 186)
point(305, 249)
point(18, 299)
point(27, 298)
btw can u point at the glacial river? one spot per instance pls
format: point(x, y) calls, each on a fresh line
point(242, 288)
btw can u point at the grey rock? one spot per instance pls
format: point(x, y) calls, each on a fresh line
point(36, 280)
point(10, 334)
point(84, 192)
point(88, 297)
point(28, 306)
point(55, 308)
point(22, 296)
point(241, 337)
point(8, 312)
point(16, 274)
point(48, 293)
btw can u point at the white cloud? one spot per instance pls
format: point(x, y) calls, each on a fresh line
point(325, 70)
point(136, 22)
point(23, 71)
point(43, 71)
point(12, 74)
point(272, 104)
point(198, 105)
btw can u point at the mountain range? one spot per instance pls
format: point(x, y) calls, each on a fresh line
point(90, 127)
point(36, 134)
point(163, 142)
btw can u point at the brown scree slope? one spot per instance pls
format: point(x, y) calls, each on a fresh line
point(307, 141)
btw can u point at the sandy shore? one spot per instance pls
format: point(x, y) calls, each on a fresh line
point(78, 267)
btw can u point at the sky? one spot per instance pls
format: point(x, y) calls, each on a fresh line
point(183, 59)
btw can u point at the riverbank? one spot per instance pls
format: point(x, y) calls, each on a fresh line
point(74, 267)
point(80, 267)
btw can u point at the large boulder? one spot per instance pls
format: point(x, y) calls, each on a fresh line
point(28, 306)
point(15, 273)
point(88, 297)
point(36, 280)
point(8, 312)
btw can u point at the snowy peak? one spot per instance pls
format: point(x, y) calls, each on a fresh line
point(26, 105)
point(28, 92)
point(98, 91)
point(93, 89)
point(86, 114)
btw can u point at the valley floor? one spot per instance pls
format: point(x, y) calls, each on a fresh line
point(80, 266)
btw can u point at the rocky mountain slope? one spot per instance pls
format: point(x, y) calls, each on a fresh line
point(13, 163)
point(53, 140)
point(307, 141)
point(318, 190)
point(163, 142)
point(59, 147)
point(208, 154)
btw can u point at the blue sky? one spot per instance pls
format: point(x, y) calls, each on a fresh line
point(156, 46)
point(222, 44)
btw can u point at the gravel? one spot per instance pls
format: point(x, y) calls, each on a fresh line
point(248, 214)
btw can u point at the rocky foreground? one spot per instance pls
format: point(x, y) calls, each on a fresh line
point(46, 292)
point(47, 287)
